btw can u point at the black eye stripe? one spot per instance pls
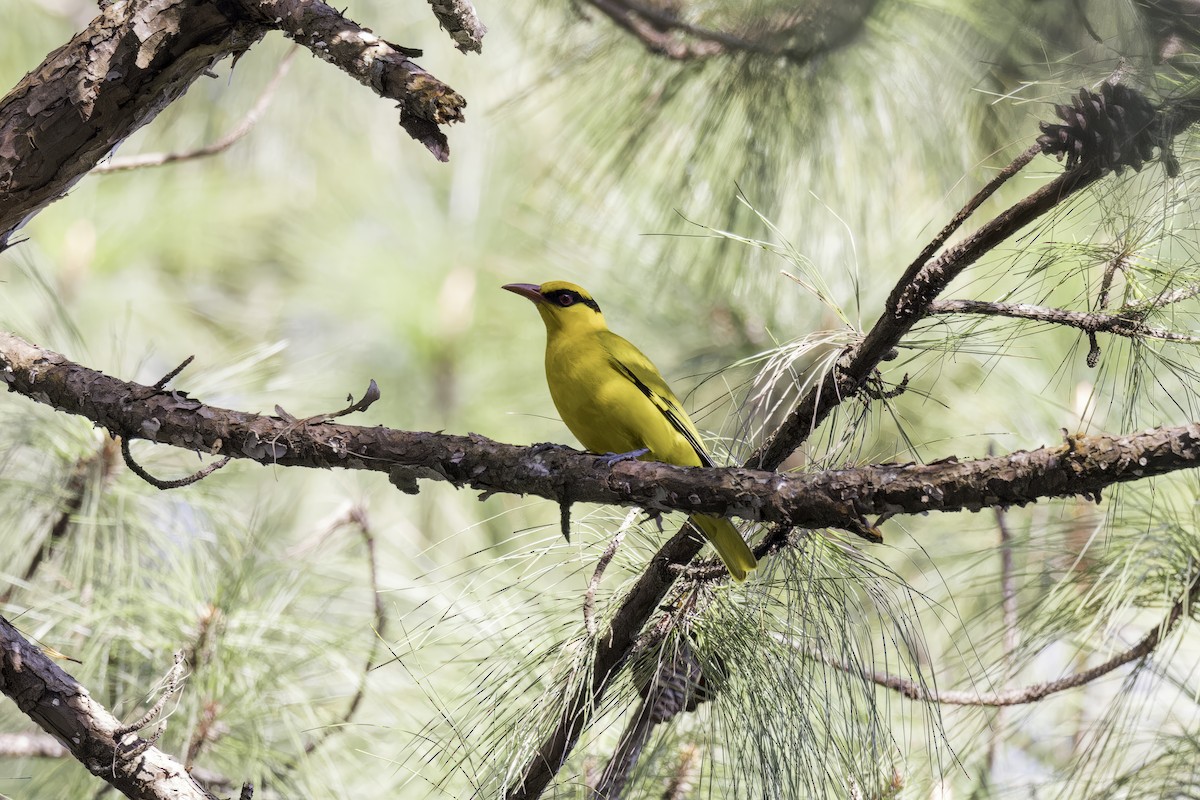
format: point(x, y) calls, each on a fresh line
point(575, 297)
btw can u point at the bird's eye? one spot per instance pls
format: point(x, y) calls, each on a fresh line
point(565, 299)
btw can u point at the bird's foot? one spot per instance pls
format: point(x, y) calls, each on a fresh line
point(610, 459)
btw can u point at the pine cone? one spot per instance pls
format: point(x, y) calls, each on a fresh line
point(1114, 129)
point(677, 684)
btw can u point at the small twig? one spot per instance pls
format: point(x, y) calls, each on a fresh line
point(356, 516)
point(1119, 324)
point(458, 18)
point(1110, 271)
point(1020, 696)
point(221, 145)
point(589, 600)
point(966, 211)
point(875, 390)
point(157, 483)
point(369, 397)
point(165, 379)
point(174, 681)
point(1165, 298)
point(1008, 604)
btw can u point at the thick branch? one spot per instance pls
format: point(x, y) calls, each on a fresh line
point(89, 95)
point(1083, 465)
point(424, 102)
point(139, 56)
point(63, 708)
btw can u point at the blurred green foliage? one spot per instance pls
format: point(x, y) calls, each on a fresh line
point(327, 249)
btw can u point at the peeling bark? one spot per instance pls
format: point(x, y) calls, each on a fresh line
point(139, 56)
point(89, 95)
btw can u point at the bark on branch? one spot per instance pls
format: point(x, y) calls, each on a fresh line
point(139, 56)
point(1118, 324)
point(1082, 465)
point(425, 103)
point(64, 709)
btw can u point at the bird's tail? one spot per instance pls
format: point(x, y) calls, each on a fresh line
point(730, 545)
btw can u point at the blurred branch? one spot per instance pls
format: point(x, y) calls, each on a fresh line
point(1081, 465)
point(798, 35)
point(43, 745)
point(1119, 324)
point(357, 517)
point(1025, 694)
point(31, 745)
point(458, 18)
point(65, 709)
point(221, 145)
point(1008, 590)
point(104, 460)
point(425, 102)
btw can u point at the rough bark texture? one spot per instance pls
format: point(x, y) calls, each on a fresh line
point(90, 94)
point(139, 56)
point(64, 709)
point(1082, 465)
point(425, 103)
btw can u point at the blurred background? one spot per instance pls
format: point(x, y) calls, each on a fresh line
point(738, 216)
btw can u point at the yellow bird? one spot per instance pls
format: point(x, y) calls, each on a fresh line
point(615, 401)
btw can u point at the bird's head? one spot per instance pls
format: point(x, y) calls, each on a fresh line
point(563, 306)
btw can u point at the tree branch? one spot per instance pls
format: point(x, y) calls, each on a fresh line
point(424, 102)
point(1082, 465)
point(89, 95)
point(907, 304)
point(231, 138)
point(63, 708)
point(1119, 324)
point(138, 57)
point(458, 18)
point(919, 286)
point(797, 36)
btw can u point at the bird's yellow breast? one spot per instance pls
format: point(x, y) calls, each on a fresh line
point(604, 408)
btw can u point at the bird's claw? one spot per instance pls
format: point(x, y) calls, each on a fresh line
point(610, 459)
